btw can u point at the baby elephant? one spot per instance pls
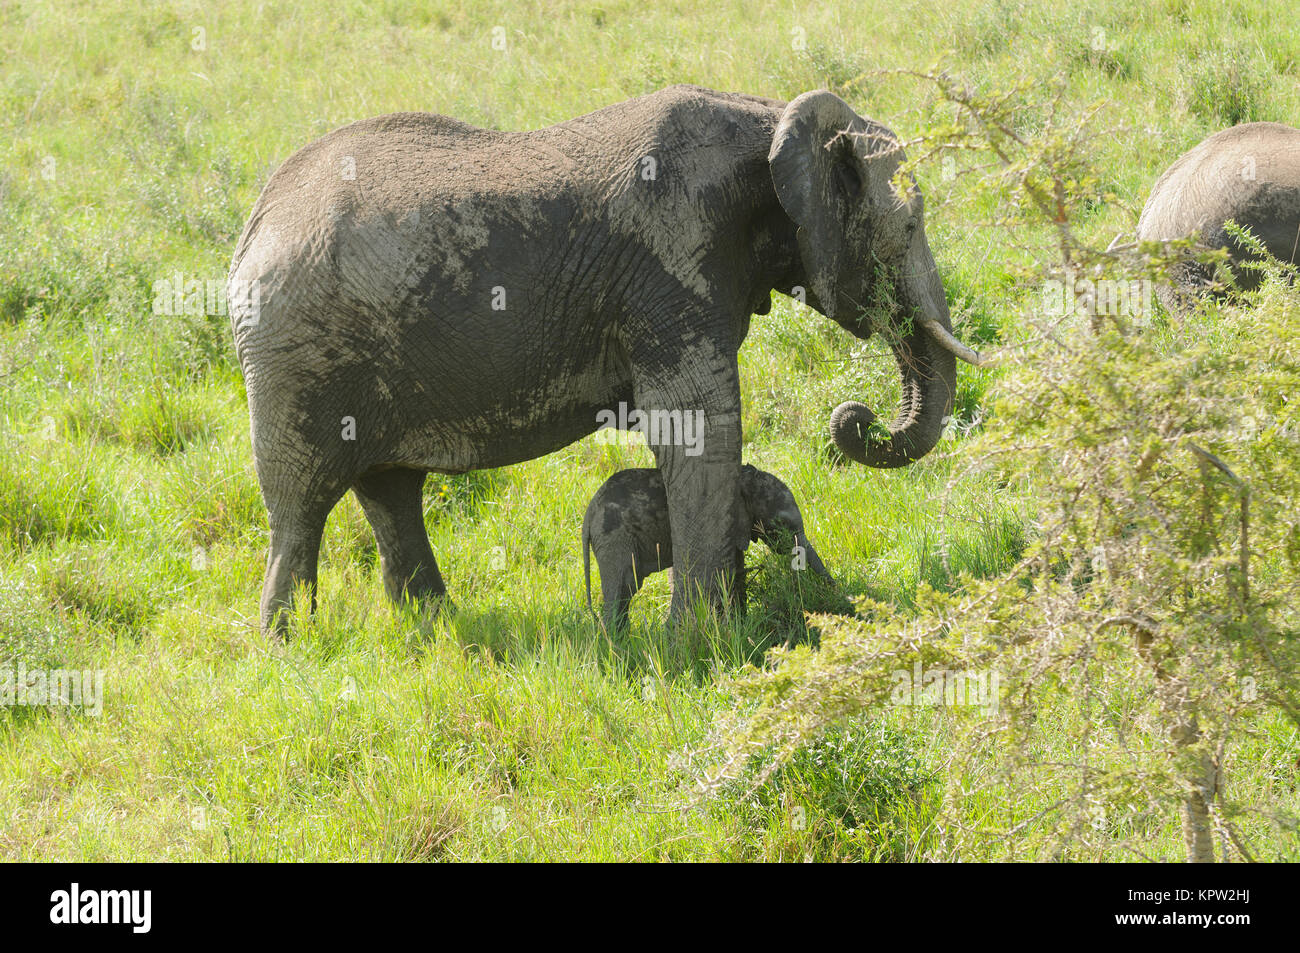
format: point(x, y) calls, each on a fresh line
point(626, 525)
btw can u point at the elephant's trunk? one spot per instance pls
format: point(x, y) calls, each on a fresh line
point(814, 559)
point(929, 377)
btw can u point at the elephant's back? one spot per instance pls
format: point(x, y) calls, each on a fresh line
point(637, 489)
point(357, 225)
point(632, 505)
point(389, 164)
point(1249, 174)
point(397, 149)
point(353, 216)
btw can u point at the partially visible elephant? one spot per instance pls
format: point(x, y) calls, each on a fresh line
point(412, 294)
point(1249, 174)
point(627, 527)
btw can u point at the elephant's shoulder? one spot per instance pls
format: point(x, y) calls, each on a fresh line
point(680, 115)
point(694, 109)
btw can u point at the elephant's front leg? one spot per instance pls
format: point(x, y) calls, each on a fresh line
point(691, 420)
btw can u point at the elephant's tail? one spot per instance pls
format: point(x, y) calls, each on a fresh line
point(586, 562)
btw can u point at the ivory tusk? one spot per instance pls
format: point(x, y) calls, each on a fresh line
point(950, 343)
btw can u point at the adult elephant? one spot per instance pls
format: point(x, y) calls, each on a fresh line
point(1248, 174)
point(412, 294)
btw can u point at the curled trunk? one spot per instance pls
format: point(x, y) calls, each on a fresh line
point(928, 374)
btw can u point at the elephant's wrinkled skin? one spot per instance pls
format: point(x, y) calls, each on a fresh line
point(627, 527)
point(436, 297)
point(1249, 174)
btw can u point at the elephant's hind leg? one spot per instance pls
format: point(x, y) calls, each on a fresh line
point(618, 584)
point(297, 524)
point(392, 503)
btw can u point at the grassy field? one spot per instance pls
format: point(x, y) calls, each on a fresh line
point(132, 535)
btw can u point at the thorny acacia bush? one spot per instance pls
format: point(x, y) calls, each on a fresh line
point(1152, 622)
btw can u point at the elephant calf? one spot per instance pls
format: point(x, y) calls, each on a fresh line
point(627, 527)
point(1249, 174)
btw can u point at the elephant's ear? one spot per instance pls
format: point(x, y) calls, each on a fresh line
point(820, 169)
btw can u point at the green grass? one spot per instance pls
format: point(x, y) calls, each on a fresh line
point(131, 530)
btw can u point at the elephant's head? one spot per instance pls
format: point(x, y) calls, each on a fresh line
point(833, 172)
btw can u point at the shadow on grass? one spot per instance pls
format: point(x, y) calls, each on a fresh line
point(702, 647)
